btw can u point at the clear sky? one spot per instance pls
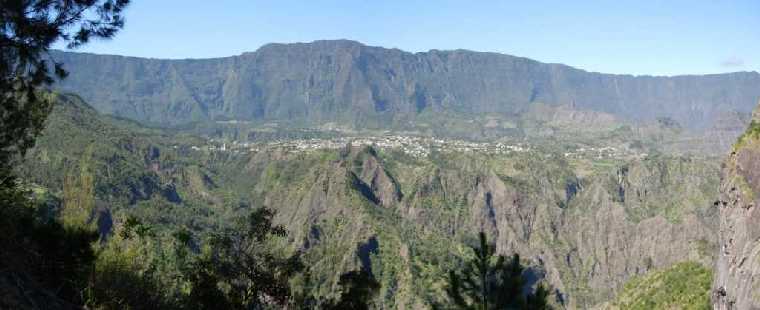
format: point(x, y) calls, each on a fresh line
point(666, 37)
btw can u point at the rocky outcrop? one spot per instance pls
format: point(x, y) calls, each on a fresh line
point(373, 179)
point(737, 271)
point(383, 186)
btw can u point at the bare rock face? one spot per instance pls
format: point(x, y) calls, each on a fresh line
point(380, 182)
point(495, 210)
point(737, 270)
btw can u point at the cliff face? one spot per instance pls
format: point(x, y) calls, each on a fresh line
point(737, 271)
point(358, 85)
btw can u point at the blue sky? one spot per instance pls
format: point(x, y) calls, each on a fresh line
point(633, 37)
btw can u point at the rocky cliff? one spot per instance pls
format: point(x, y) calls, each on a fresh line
point(363, 86)
point(585, 236)
point(737, 271)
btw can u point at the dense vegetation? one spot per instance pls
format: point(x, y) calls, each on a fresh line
point(236, 268)
point(682, 286)
point(44, 261)
point(490, 281)
point(123, 197)
point(408, 236)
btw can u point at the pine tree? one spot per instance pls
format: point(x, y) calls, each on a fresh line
point(40, 250)
point(28, 28)
point(490, 281)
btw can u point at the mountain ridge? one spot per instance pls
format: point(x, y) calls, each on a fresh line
point(373, 87)
point(433, 50)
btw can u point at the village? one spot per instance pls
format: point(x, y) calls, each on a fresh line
point(415, 146)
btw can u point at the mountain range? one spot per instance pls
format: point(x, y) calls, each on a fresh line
point(360, 86)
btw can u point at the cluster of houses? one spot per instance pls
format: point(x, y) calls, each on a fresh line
point(412, 145)
point(416, 146)
point(603, 152)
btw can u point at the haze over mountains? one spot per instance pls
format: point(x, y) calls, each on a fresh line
point(356, 85)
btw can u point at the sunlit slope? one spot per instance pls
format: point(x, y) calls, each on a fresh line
point(585, 225)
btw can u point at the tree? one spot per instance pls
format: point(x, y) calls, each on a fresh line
point(358, 288)
point(539, 300)
point(37, 249)
point(28, 29)
point(490, 281)
point(128, 273)
point(239, 270)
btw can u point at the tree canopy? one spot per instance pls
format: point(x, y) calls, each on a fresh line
point(39, 252)
point(28, 29)
point(240, 271)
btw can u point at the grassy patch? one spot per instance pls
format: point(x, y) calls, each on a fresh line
point(752, 133)
point(683, 286)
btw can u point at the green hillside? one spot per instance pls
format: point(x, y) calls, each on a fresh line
point(584, 226)
point(682, 286)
